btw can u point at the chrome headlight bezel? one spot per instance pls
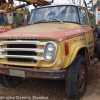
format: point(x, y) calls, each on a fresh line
point(51, 50)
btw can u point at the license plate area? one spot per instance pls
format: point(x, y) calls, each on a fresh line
point(18, 73)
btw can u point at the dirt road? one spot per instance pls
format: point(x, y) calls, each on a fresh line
point(51, 90)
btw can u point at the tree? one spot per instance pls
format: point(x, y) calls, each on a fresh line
point(92, 18)
point(19, 17)
point(92, 11)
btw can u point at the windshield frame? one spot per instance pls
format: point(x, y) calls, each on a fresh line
point(78, 16)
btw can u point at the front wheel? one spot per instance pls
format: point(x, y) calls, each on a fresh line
point(76, 78)
point(9, 81)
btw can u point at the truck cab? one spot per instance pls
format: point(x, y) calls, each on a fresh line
point(57, 44)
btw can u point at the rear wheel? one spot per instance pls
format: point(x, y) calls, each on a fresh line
point(76, 78)
point(9, 81)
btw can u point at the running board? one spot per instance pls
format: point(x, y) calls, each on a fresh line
point(93, 61)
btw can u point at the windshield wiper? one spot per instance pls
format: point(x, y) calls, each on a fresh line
point(43, 20)
point(57, 20)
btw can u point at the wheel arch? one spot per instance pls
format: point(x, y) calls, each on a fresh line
point(80, 50)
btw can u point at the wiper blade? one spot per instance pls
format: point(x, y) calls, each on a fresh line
point(43, 20)
point(46, 20)
point(57, 20)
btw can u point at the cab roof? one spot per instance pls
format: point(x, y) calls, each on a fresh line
point(52, 5)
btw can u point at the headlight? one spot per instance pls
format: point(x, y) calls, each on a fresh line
point(50, 47)
point(49, 56)
point(50, 51)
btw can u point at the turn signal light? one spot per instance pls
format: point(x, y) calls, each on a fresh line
point(98, 9)
point(66, 48)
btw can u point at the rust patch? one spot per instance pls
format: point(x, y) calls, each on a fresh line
point(34, 73)
point(5, 29)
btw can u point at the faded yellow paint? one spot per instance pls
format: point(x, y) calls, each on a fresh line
point(44, 27)
point(75, 44)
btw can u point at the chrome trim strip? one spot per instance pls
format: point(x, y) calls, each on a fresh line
point(23, 42)
point(22, 49)
point(22, 56)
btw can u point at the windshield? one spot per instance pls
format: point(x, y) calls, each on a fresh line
point(3, 20)
point(60, 13)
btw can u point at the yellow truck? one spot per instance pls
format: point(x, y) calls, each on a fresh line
point(58, 44)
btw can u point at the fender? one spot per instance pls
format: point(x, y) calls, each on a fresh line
point(73, 51)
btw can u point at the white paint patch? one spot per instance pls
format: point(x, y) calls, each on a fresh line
point(60, 40)
point(75, 32)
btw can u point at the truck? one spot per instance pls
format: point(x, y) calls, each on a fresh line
point(98, 15)
point(58, 44)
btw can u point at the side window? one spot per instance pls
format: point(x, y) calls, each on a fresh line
point(83, 17)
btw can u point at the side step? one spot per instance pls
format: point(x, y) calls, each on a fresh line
point(93, 61)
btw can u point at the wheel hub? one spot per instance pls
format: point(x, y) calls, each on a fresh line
point(81, 77)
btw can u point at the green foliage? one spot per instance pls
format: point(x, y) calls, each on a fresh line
point(92, 22)
point(92, 18)
point(92, 12)
point(18, 19)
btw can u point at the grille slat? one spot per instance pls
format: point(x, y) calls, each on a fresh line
point(22, 42)
point(22, 49)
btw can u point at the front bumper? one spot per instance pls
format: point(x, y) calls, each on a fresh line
point(33, 73)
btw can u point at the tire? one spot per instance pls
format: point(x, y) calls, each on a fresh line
point(9, 81)
point(99, 33)
point(76, 78)
point(98, 50)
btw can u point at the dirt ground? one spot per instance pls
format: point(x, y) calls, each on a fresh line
point(51, 90)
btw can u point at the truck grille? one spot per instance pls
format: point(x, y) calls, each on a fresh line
point(22, 50)
point(26, 53)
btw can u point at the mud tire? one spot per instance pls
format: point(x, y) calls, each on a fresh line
point(72, 78)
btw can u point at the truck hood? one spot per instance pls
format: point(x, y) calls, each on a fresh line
point(57, 31)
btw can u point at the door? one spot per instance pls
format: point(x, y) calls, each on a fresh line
point(87, 30)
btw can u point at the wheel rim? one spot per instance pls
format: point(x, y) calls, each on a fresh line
point(81, 77)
